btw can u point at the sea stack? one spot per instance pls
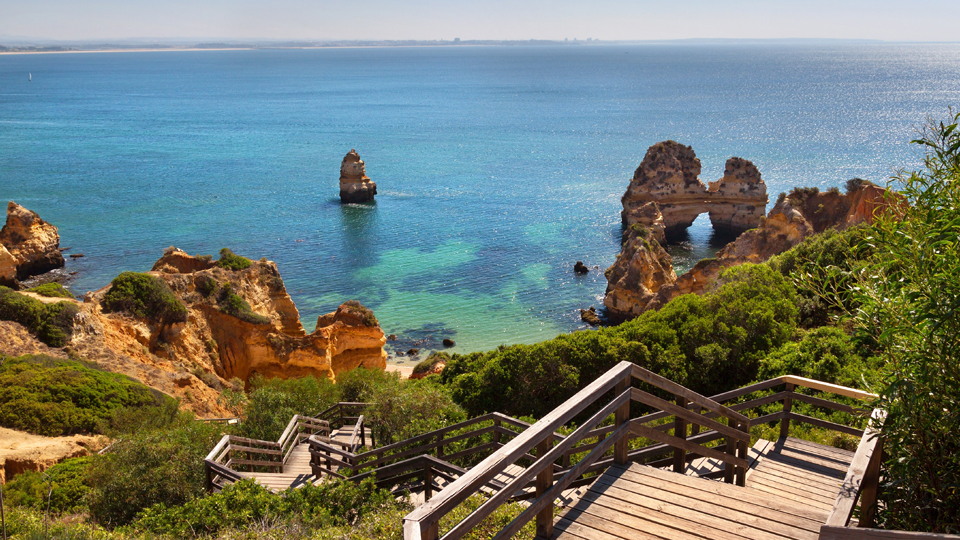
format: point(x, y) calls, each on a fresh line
point(355, 186)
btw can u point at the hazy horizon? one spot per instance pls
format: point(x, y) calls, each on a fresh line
point(379, 20)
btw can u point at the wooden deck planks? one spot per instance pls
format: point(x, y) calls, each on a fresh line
point(790, 489)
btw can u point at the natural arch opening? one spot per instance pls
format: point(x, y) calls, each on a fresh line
point(701, 240)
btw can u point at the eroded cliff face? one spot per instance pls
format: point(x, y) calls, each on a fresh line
point(669, 176)
point(642, 279)
point(29, 246)
point(213, 349)
point(641, 268)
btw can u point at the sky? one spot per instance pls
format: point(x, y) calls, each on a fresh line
point(889, 20)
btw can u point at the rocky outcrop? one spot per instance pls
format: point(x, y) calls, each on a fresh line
point(641, 268)
point(355, 186)
point(21, 452)
point(270, 342)
point(8, 268)
point(803, 213)
point(580, 268)
point(669, 176)
point(196, 359)
point(31, 243)
point(666, 195)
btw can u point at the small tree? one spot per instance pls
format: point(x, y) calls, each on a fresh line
point(909, 295)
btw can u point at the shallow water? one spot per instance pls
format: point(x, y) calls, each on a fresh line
point(497, 167)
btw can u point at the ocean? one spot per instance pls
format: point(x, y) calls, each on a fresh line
point(497, 167)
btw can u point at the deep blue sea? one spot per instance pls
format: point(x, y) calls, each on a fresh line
point(497, 167)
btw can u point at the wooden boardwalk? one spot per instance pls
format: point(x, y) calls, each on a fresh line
point(790, 489)
point(296, 471)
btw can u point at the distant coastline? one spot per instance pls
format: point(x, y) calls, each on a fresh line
point(57, 47)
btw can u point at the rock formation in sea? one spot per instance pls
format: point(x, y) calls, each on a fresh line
point(29, 246)
point(355, 186)
point(642, 267)
point(642, 278)
point(669, 176)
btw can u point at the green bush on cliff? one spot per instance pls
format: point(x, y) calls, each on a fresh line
point(366, 314)
point(51, 290)
point(232, 261)
point(710, 344)
point(144, 296)
point(823, 269)
point(50, 396)
point(232, 304)
point(51, 323)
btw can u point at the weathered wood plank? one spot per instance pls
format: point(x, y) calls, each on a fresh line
point(769, 525)
point(663, 383)
point(827, 387)
point(651, 485)
point(854, 533)
point(853, 481)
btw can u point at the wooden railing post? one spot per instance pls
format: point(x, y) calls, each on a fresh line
point(427, 481)
point(544, 483)
point(496, 432)
point(440, 445)
point(680, 431)
point(728, 469)
point(870, 485)
point(622, 447)
point(787, 406)
point(695, 428)
point(742, 453)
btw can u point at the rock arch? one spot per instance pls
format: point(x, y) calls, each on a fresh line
point(669, 176)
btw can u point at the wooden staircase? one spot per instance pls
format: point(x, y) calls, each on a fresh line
point(790, 490)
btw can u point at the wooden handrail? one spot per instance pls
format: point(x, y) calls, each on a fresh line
point(862, 475)
point(423, 522)
point(827, 387)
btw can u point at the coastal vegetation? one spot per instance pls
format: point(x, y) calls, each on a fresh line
point(144, 296)
point(51, 290)
point(51, 396)
point(51, 323)
point(232, 261)
point(873, 307)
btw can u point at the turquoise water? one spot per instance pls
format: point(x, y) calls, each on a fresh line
point(497, 167)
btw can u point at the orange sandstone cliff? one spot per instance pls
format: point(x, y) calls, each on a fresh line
point(666, 195)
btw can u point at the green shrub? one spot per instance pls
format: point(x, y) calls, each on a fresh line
point(909, 297)
point(400, 409)
point(710, 344)
point(68, 481)
point(51, 323)
point(427, 365)
point(146, 468)
point(822, 268)
point(144, 296)
point(273, 402)
point(240, 505)
point(206, 285)
point(50, 396)
point(232, 304)
point(825, 354)
point(232, 261)
point(51, 290)
point(365, 314)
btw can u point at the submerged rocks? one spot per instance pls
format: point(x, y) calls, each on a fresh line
point(355, 186)
point(669, 176)
point(30, 245)
point(589, 316)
